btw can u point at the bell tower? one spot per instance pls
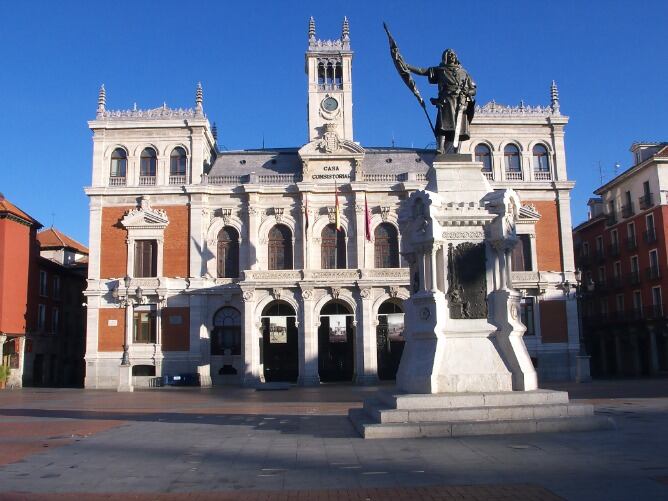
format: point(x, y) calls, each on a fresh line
point(329, 70)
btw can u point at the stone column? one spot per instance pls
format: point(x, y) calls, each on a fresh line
point(251, 345)
point(366, 359)
point(619, 361)
point(198, 225)
point(251, 238)
point(360, 232)
point(200, 348)
point(653, 354)
point(308, 342)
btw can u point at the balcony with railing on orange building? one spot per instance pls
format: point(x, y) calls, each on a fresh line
point(653, 272)
point(627, 210)
point(613, 249)
point(649, 236)
point(611, 219)
point(631, 243)
point(634, 277)
point(646, 201)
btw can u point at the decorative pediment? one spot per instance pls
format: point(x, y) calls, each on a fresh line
point(145, 216)
point(331, 144)
point(528, 213)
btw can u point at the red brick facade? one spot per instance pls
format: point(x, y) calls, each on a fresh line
point(111, 337)
point(175, 323)
point(548, 237)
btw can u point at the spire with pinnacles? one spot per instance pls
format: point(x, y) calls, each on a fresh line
point(311, 30)
point(101, 101)
point(199, 98)
point(554, 98)
point(345, 31)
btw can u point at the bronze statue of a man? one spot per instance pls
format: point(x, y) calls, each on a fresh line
point(455, 101)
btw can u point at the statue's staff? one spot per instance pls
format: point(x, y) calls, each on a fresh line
point(405, 74)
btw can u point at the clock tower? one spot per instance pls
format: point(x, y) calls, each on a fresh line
point(329, 69)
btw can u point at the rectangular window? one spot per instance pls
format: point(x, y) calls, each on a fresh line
point(41, 317)
point(603, 307)
point(527, 315)
point(585, 249)
point(650, 234)
point(144, 324)
point(146, 258)
point(657, 302)
point(653, 272)
point(634, 264)
point(55, 319)
point(619, 303)
point(56, 287)
point(601, 275)
point(521, 255)
point(43, 283)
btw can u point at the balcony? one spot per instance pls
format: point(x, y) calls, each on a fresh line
point(649, 236)
point(653, 272)
point(584, 260)
point(627, 210)
point(611, 219)
point(540, 175)
point(488, 174)
point(613, 249)
point(654, 311)
point(180, 180)
point(599, 254)
point(631, 244)
point(617, 282)
point(146, 180)
point(116, 181)
point(513, 176)
point(634, 277)
point(646, 201)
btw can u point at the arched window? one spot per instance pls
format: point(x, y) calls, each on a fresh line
point(148, 163)
point(386, 246)
point(226, 335)
point(119, 162)
point(511, 154)
point(228, 253)
point(541, 159)
point(280, 248)
point(484, 155)
point(178, 162)
point(333, 248)
point(321, 73)
point(338, 75)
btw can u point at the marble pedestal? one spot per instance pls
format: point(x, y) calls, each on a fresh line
point(125, 378)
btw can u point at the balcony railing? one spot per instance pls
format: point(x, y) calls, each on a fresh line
point(116, 181)
point(385, 178)
point(627, 210)
point(653, 272)
point(631, 244)
point(617, 282)
point(646, 201)
point(600, 254)
point(540, 175)
point(634, 277)
point(488, 174)
point(613, 249)
point(650, 236)
point(177, 179)
point(513, 175)
point(611, 219)
point(146, 180)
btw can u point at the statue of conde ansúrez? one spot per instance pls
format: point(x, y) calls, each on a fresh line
point(455, 101)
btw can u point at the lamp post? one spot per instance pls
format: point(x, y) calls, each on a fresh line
point(583, 369)
point(125, 360)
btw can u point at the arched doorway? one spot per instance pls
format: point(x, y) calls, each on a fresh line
point(336, 346)
point(389, 338)
point(279, 342)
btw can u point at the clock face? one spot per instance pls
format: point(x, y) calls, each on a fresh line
point(330, 104)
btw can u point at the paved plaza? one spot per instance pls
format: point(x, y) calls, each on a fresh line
point(237, 443)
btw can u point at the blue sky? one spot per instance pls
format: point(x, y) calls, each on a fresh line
point(608, 58)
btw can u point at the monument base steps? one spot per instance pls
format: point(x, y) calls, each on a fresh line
point(395, 415)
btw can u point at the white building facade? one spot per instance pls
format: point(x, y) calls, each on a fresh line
point(254, 266)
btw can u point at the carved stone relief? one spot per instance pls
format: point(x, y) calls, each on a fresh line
point(467, 292)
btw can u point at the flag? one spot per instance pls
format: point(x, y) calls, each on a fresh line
point(306, 224)
point(367, 220)
point(336, 208)
point(401, 66)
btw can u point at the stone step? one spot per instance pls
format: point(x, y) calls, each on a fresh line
point(382, 414)
point(466, 400)
point(367, 428)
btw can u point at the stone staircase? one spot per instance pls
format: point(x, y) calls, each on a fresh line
point(397, 415)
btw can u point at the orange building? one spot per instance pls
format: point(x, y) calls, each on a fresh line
point(18, 252)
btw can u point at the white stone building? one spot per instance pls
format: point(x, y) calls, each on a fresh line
point(228, 264)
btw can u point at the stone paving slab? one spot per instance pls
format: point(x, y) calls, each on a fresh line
point(234, 441)
point(432, 493)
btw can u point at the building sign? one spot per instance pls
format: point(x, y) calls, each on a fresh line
point(395, 326)
point(339, 171)
point(332, 172)
point(337, 329)
point(278, 330)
